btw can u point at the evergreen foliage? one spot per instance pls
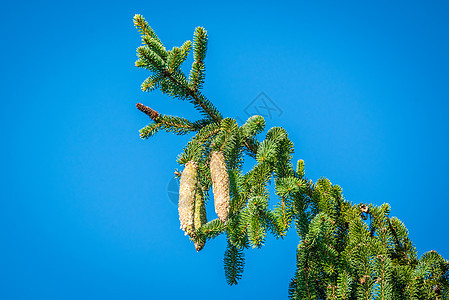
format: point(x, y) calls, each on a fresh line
point(346, 250)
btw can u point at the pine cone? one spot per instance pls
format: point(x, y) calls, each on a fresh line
point(200, 217)
point(200, 208)
point(187, 192)
point(199, 245)
point(220, 185)
point(364, 208)
point(154, 115)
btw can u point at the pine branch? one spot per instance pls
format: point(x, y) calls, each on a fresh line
point(210, 230)
point(234, 262)
point(149, 130)
point(252, 146)
point(341, 254)
point(177, 125)
point(154, 57)
point(144, 28)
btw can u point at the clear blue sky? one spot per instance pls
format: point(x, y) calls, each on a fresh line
point(363, 89)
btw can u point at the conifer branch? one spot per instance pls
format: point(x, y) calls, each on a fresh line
point(252, 146)
point(153, 56)
point(144, 27)
point(234, 264)
point(341, 254)
point(393, 231)
point(170, 124)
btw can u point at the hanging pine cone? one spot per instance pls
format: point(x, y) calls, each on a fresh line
point(220, 185)
point(200, 217)
point(199, 245)
point(187, 191)
point(200, 208)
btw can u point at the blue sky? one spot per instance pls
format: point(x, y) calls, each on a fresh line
point(86, 214)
